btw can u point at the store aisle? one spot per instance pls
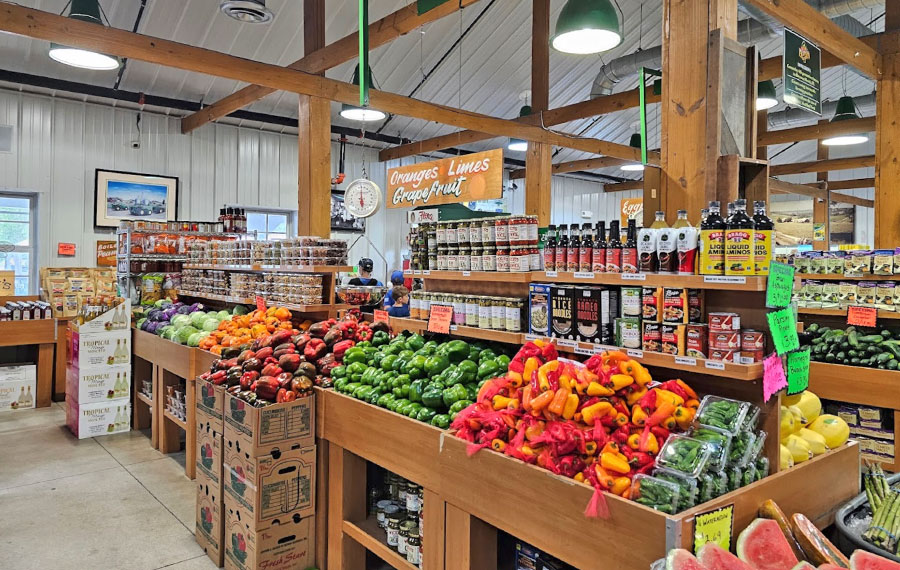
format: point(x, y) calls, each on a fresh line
point(106, 503)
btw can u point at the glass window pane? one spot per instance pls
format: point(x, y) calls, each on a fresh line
point(277, 223)
point(277, 236)
point(22, 285)
point(16, 233)
point(18, 262)
point(256, 222)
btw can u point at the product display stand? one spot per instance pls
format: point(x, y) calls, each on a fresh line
point(43, 333)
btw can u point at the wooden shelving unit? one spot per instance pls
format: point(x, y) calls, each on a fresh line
point(506, 277)
point(834, 277)
point(882, 314)
point(274, 269)
point(175, 420)
point(42, 333)
point(368, 534)
point(321, 308)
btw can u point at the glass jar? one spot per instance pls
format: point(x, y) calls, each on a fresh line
point(489, 259)
point(459, 310)
point(533, 229)
point(513, 321)
point(414, 548)
point(475, 259)
point(518, 231)
point(440, 233)
point(475, 233)
point(432, 236)
point(432, 259)
point(451, 233)
point(498, 313)
point(393, 482)
point(502, 259)
point(501, 232)
point(464, 259)
point(462, 234)
point(414, 305)
point(405, 529)
point(535, 259)
point(392, 514)
point(380, 511)
point(442, 258)
point(488, 233)
point(484, 312)
point(453, 259)
point(519, 261)
point(412, 498)
point(425, 305)
point(472, 311)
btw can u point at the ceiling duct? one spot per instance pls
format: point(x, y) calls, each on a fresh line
point(832, 8)
point(247, 11)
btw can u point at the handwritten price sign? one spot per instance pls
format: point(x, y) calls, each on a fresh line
point(439, 322)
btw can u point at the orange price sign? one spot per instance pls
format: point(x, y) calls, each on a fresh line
point(67, 249)
point(381, 316)
point(260, 303)
point(439, 322)
point(862, 316)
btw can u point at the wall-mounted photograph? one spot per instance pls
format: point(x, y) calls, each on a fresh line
point(132, 196)
point(341, 220)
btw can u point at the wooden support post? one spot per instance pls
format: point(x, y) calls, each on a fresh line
point(887, 137)
point(538, 168)
point(314, 139)
point(822, 207)
point(471, 543)
point(434, 513)
point(652, 194)
point(346, 501)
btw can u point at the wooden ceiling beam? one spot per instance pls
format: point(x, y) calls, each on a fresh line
point(851, 184)
point(815, 26)
point(345, 49)
point(575, 165)
point(623, 186)
point(52, 27)
point(777, 186)
point(846, 127)
point(823, 165)
point(771, 68)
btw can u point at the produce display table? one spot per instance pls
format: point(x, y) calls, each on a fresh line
point(43, 333)
point(467, 499)
point(59, 367)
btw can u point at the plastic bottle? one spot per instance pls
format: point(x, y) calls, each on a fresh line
point(712, 242)
point(614, 249)
point(763, 238)
point(585, 254)
point(598, 255)
point(629, 249)
point(660, 221)
point(562, 247)
point(550, 249)
point(739, 241)
point(648, 260)
point(682, 221)
point(574, 249)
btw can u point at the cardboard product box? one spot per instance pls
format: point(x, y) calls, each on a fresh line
point(539, 309)
point(531, 558)
point(562, 312)
point(18, 386)
point(631, 302)
point(628, 332)
point(211, 402)
point(275, 427)
point(280, 544)
point(209, 530)
point(94, 420)
point(99, 350)
point(609, 311)
point(116, 319)
point(87, 386)
point(588, 318)
point(270, 486)
point(209, 450)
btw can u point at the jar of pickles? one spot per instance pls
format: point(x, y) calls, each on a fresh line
point(453, 259)
point(414, 547)
point(464, 259)
point(440, 233)
point(432, 236)
point(484, 312)
point(424, 305)
point(498, 313)
point(442, 258)
point(472, 311)
point(459, 310)
point(451, 233)
point(462, 234)
point(488, 232)
point(475, 233)
point(489, 259)
point(475, 259)
point(432, 259)
point(513, 314)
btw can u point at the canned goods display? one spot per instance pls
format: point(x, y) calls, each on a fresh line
point(479, 311)
point(474, 245)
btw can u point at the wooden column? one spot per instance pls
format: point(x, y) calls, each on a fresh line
point(822, 207)
point(887, 135)
point(314, 139)
point(538, 169)
point(687, 167)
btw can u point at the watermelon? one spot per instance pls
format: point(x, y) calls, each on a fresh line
point(714, 557)
point(828, 566)
point(863, 560)
point(763, 546)
point(804, 566)
point(681, 559)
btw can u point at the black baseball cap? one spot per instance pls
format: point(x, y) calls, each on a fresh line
point(366, 264)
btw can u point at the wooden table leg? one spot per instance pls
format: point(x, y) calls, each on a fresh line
point(45, 365)
point(471, 542)
point(322, 484)
point(346, 501)
point(433, 523)
point(169, 442)
point(59, 374)
point(190, 437)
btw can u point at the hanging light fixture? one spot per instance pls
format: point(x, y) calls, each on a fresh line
point(365, 114)
point(633, 166)
point(519, 145)
point(766, 98)
point(86, 11)
point(587, 26)
point(247, 11)
point(846, 109)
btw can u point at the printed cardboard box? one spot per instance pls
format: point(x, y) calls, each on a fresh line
point(209, 450)
point(18, 384)
point(275, 427)
point(282, 544)
point(209, 531)
point(99, 350)
point(93, 420)
point(116, 319)
point(211, 402)
point(270, 486)
point(87, 386)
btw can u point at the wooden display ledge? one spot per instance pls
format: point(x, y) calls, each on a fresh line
point(882, 314)
point(273, 269)
point(720, 282)
point(176, 358)
point(420, 326)
point(832, 277)
point(43, 333)
point(476, 497)
point(320, 308)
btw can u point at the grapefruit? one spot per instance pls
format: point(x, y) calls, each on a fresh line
point(834, 429)
point(864, 560)
point(763, 546)
point(714, 557)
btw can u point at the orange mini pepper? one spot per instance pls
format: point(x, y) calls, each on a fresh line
point(590, 447)
point(498, 445)
point(603, 478)
point(515, 379)
point(669, 423)
point(559, 401)
point(634, 441)
point(541, 401)
point(687, 389)
point(610, 447)
point(621, 419)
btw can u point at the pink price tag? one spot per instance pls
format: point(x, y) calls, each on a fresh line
point(773, 376)
point(260, 303)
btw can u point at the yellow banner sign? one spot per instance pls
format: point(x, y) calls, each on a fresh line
point(631, 209)
point(472, 177)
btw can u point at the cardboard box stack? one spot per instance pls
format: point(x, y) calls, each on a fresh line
point(18, 384)
point(66, 288)
point(872, 427)
point(256, 481)
point(98, 374)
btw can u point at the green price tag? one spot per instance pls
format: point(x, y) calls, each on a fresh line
point(784, 330)
point(797, 371)
point(780, 285)
point(714, 526)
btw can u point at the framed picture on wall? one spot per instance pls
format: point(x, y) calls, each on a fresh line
point(341, 220)
point(132, 196)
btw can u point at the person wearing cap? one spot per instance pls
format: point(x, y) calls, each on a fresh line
point(396, 280)
point(365, 274)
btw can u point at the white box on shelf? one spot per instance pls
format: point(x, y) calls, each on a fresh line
point(92, 386)
point(18, 384)
point(99, 350)
point(93, 420)
point(116, 319)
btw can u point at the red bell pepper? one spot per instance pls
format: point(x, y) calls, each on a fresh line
point(315, 349)
point(340, 348)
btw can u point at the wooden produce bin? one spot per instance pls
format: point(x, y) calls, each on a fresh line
point(41, 332)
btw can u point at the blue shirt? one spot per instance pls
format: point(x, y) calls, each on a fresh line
point(399, 311)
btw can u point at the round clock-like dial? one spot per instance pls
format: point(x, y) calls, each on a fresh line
point(362, 198)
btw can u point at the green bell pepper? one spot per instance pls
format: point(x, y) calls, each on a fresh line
point(369, 375)
point(355, 367)
point(426, 350)
point(441, 421)
point(468, 366)
point(373, 397)
point(425, 414)
point(414, 409)
point(503, 360)
point(380, 338)
point(351, 387)
point(401, 392)
point(363, 344)
point(340, 384)
point(486, 354)
point(453, 394)
point(457, 350)
point(432, 396)
point(459, 406)
point(398, 403)
point(415, 362)
point(338, 372)
point(387, 363)
point(391, 349)
point(384, 399)
point(415, 342)
point(416, 388)
point(471, 391)
point(355, 354)
point(488, 369)
point(446, 373)
point(363, 392)
point(436, 364)
point(404, 407)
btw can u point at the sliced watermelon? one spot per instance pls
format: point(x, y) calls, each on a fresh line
point(864, 560)
point(763, 546)
point(714, 557)
point(681, 559)
point(829, 566)
point(804, 566)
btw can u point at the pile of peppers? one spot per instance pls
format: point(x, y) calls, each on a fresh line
point(600, 422)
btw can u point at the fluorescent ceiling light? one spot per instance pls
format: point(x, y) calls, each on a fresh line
point(361, 113)
point(517, 145)
point(82, 58)
point(766, 97)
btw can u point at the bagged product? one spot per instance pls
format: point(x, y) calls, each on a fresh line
point(667, 249)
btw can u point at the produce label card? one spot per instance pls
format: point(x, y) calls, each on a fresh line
point(783, 328)
point(441, 315)
point(773, 376)
point(381, 316)
point(714, 526)
point(862, 316)
point(797, 371)
point(780, 285)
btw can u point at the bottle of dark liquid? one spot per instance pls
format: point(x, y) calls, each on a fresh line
point(629, 250)
point(614, 249)
point(550, 249)
point(587, 249)
point(562, 247)
point(764, 230)
point(712, 242)
point(739, 241)
point(574, 249)
point(598, 255)
point(229, 220)
point(243, 221)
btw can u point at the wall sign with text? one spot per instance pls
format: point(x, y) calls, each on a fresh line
point(802, 72)
point(471, 177)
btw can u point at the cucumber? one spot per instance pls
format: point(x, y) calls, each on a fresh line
point(873, 338)
point(852, 353)
point(886, 334)
point(884, 357)
point(854, 361)
point(892, 365)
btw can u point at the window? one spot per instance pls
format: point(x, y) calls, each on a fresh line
point(18, 238)
point(270, 223)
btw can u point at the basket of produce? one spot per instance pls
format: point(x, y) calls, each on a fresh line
point(359, 295)
point(869, 520)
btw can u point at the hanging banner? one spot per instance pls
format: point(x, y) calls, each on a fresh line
point(106, 253)
point(471, 177)
point(631, 209)
point(802, 72)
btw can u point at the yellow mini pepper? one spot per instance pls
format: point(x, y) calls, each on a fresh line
point(614, 462)
point(570, 406)
point(590, 413)
point(502, 402)
point(619, 381)
point(598, 389)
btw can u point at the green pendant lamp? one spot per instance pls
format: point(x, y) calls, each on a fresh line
point(519, 145)
point(86, 11)
point(766, 98)
point(364, 114)
point(633, 166)
point(846, 109)
point(587, 26)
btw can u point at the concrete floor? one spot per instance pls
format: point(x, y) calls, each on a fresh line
point(104, 503)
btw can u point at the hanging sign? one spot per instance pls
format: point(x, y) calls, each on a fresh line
point(797, 371)
point(7, 283)
point(260, 303)
point(106, 253)
point(439, 320)
point(783, 329)
point(714, 526)
point(466, 178)
point(423, 216)
point(631, 209)
point(773, 376)
point(380, 315)
point(780, 285)
point(802, 72)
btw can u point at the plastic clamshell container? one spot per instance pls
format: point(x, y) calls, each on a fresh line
point(762, 465)
point(747, 439)
point(674, 455)
point(719, 442)
point(655, 493)
point(688, 487)
point(735, 476)
point(758, 445)
point(710, 413)
point(751, 419)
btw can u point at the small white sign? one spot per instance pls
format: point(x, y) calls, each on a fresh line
point(426, 272)
point(531, 337)
point(685, 361)
point(583, 275)
point(417, 271)
point(453, 327)
point(715, 364)
point(634, 353)
point(731, 279)
point(422, 216)
point(566, 343)
point(584, 351)
point(467, 273)
point(634, 276)
point(551, 274)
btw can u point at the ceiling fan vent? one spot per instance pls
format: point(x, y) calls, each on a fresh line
point(248, 11)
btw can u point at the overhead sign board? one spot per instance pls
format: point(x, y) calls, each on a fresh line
point(476, 176)
point(802, 72)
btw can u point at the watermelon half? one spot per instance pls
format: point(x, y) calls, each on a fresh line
point(863, 560)
point(763, 546)
point(681, 559)
point(829, 566)
point(714, 557)
point(804, 566)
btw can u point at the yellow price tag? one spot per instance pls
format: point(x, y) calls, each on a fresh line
point(7, 283)
point(714, 526)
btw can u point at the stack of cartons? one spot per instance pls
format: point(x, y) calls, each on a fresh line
point(269, 472)
point(98, 374)
point(18, 385)
point(210, 524)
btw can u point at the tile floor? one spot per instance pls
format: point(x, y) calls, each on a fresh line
point(109, 502)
